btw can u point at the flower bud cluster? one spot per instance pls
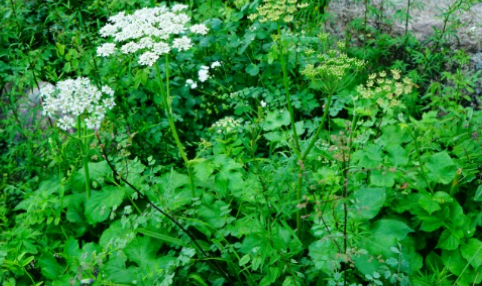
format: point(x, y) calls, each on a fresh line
point(226, 125)
point(274, 10)
point(333, 65)
point(72, 99)
point(384, 90)
point(150, 31)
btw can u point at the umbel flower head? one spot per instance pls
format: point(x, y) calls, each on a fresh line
point(151, 32)
point(334, 70)
point(72, 99)
point(386, 91)
point(274, 10)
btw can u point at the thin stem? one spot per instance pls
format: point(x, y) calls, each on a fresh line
point(84, 157)
point(166, 98)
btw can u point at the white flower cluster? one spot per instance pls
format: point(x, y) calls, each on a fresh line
point(152, 31)
point(73, 98)
point(227, 124)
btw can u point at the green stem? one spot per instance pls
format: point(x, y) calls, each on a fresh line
point(166, 98)
point(419, 157)
point(320, 127)
point(287, 92)
point(84, 158)
point(303, 156)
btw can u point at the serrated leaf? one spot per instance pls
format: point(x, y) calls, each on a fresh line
point(472, 252)
point(441, 168)
point(448, 240)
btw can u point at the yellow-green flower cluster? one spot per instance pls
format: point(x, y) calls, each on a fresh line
point(226, 125)
point(275, 10)
point(384, 90)
point(333, 66)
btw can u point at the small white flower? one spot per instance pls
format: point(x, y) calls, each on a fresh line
point(199, 29)
point(178, 7)
point(130, 48)
point(203, 73)
point(106, 49)
point(148, 58)
point(263, 104)
point(73, 98)
point(183, 43)
point(161, 48)
point(215, 65)
point(191, 83)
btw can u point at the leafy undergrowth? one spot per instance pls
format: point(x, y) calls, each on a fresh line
point(234, 143)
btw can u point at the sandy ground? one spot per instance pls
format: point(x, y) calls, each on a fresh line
point(424, 16)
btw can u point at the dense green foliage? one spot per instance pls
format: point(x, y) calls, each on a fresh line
point(305, 159)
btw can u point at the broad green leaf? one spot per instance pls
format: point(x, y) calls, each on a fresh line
point(116, 271)
point(441, 168)
point(382, 178)
point(275, 120)
point(369, 157)
point(369, 201)
point(397, 155)
point(427, 202)
point(431, 223)
point(96, 172)
point(252, 69)
point(391, 228)
point(448, 240)
point(99, 206)
point(142, 250)
point(472, 252)
point(49, 266)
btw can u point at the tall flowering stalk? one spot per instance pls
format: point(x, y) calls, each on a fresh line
point(81, 105)
point(153, 33)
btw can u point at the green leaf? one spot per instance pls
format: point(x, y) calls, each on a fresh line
point(245, 259)
point(392, 228)
point(369, 157)
point(369, 201)
point(142, 250)
point(397, 155)
point(116, 271)
point(252, 69)
point(448, 240)
point(472, 252)
point(275, 119)
point(99, 206)
point(49, 266)
point(431, 223)
point(382, 178)
point(441, 168)
point(478, 194)
point(428, 203)
point(197, 279)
